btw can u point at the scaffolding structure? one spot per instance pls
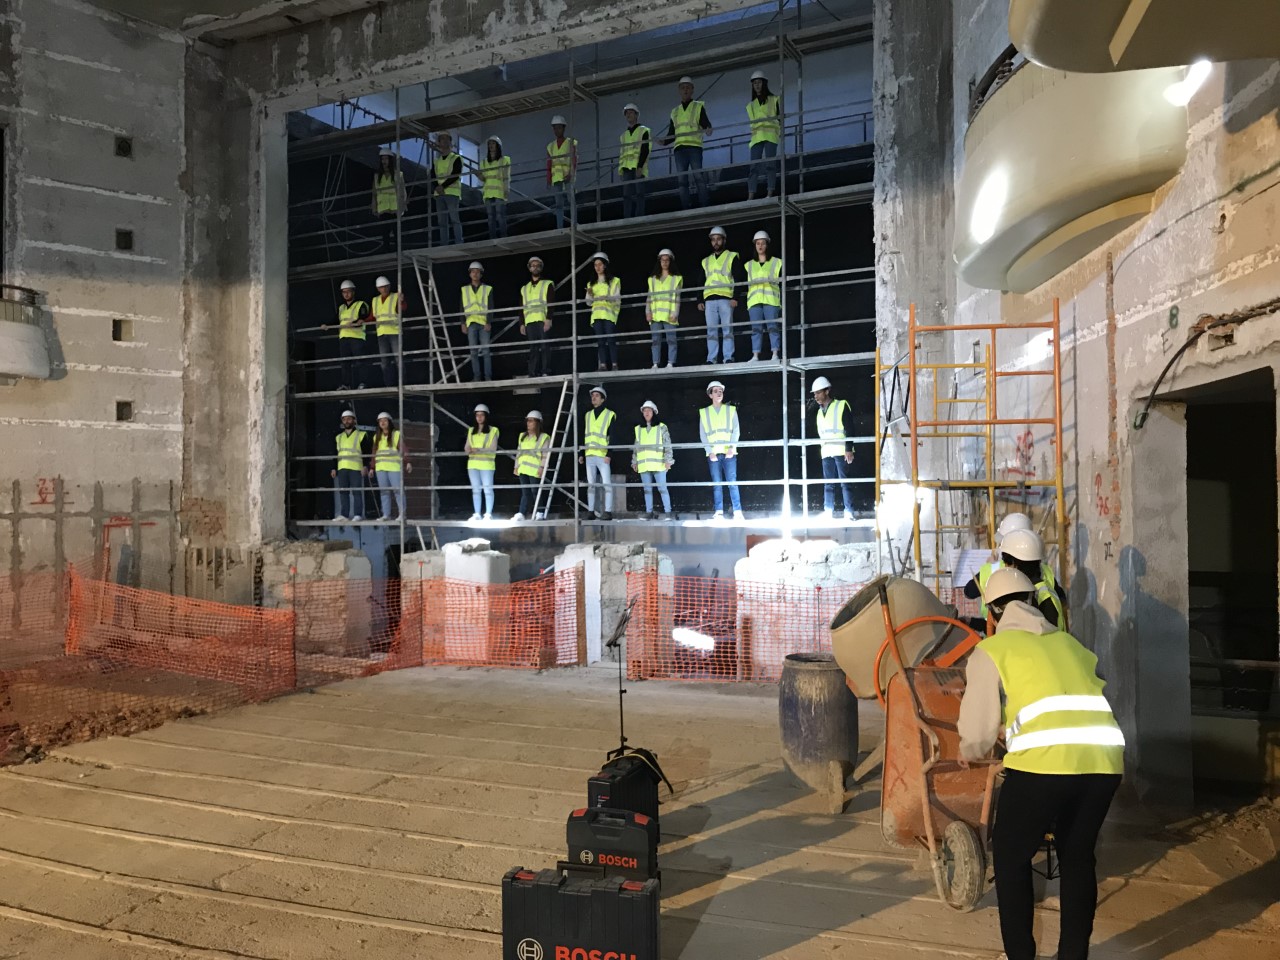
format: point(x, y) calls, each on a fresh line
point(977, 419)
point(446, 363)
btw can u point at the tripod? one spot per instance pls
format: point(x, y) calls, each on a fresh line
point(622, 749)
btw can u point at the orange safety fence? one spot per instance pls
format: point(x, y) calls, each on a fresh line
point(701, 628)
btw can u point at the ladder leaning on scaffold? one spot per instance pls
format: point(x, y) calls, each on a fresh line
point(442, 352)
point(561, 427)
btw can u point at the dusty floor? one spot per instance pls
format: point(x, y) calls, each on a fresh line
point(375, 819)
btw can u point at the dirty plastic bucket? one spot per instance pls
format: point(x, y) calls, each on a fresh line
point(818, 720)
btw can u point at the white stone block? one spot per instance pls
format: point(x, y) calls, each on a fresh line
point(487, 566)
point(775, 551)
point(334, 565)
point(472, 545)
point(816, 551)
point(422, 565)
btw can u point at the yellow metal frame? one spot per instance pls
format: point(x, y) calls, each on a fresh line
point(942, 425)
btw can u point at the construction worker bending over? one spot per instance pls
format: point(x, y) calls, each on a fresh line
point(718, 430)
point(531, 461)
point(388, 459)
point(562, 168)
point(1027, 554)
point(763, 111)
point(688, 128)
point(388, 194)
point(1063, 762)
point(662, 309)
point(836, 449)
point(604, 297)
point(652, 458)
point(481, 449)
point(388, 308)
point(535, 296)
point(495, 174)
point(447, 168)
point(764, 298)
point(973, 589)
point(348, 493)
point(598, 422)
point(353, 315)
point(717, 296)
point(477, 301)
point(633, 162)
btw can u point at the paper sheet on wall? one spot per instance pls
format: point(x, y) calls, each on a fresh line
point(965, 564)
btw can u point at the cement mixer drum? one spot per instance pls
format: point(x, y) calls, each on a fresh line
point(858, 632)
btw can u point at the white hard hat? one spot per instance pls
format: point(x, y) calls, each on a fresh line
point(533, 415)
point(719, 230)
point(630, 106)
point(600, 255)
point(384, 415)
point(386, 152)
point(347, 285)
point(822, 383)
point(1006, 582)
point(494, 139)
point(480, 408)
point(1023, 545)
point(559, 121)
point(761, 235)
point(666, 252)
point(382, 282)
point(600, 390)
point(1013, 521)
point(713, 384)
point(684, 80)
point(347, 413)
point(476, 265)
point(759, 75)
point(533, 258)
point(650, 404)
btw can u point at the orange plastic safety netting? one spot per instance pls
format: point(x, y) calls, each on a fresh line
point(700, 628)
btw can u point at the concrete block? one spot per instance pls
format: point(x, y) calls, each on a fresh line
point(816, 551)
point(358, 566)
point(307, 566)
point(422, 565)
point(775, 551)
point(462, 547)
point(334, 565)
point(481, 566)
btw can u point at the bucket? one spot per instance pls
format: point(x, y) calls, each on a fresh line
point(818, 720)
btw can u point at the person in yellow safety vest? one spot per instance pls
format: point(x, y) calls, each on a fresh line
point(763, 110)
point(662, 309)
point(1024, 550)
point(495, 174)
point(388, 194)
point(353, 315)
point(633, 162)
point(652, 458)
point(604, 297)
point(562, 169)
point(1063, 761)
point(836, 449)
point(595, 433)
point(535, 298)
point(764, 297)
point(531, 461)
point(477, 301)
point(689, 127)
point(348, 491)
point(719, 432)
point(447, 171)
point(388, 309)
point(717, 296)
point(482, 461)
point(973, 589)
point(389, 464)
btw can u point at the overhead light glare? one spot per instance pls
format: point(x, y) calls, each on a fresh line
point(1179, 94)
point(988, 206)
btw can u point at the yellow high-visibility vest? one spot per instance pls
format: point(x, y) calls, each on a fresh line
point(1056, 719)
point(387, 314)
point(719, 272)
point(605, 302)
point(632, 143)
point(596, 433)
point(764, 283)
point(386, 452)
point(561, 155)
point(535, 297)
point(386, 197)
point(649, 449)
point(349, 445)
point(475, 303)
point(350, 326)
point(529, 458)
point(496, 175)
point(443, 167)
point(687, 123)
point(984, 574)
point(664, 298)
point(831, 428)
point(1045, 592)
point(484, 449)
point(718, 426)
point(765, 125)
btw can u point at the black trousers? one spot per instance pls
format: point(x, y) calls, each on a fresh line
point(539, 350)
point(1072, 808)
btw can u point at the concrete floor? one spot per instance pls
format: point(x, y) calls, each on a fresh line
point(375, 818)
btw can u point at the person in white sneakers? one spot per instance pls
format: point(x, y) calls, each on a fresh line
point(662, 309)
point(389, 464)
point(718, 302)
point(837, 447)
point(531, 461)
point(718, 429)
point(349, 491)
point(595, 432)
point(652, 458)
point(764, 298)
point(482, 461)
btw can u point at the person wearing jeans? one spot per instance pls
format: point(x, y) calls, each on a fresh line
point(836, 449)
point(595, 432)
point(477, 299)
point(662, 309)
point(717, 297)
point(388, 308)
point(688, 128)
point(763, 111)
point(353, 316)
point(482, 460)
point(495, 173)
point(719, 432)
point(604, 298)
point(389, 464)
point(349, 490)
point(447, 168)
point(652, 458)
point(764, 298)
point(633, 162)
point(562, 168)
point(531, 462)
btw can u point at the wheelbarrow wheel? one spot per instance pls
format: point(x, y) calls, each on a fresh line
point(965, 866)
